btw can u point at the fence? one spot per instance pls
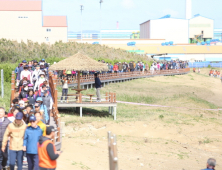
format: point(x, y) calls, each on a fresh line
point(88, 98)
point(205, 64)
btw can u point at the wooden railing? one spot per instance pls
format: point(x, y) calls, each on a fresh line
point(80, 98)
point(55, 112)
point(110, 76)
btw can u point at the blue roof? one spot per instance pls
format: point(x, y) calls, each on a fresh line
point(198, 15)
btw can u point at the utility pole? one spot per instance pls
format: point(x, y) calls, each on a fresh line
point(101, 1)
point(81, 8)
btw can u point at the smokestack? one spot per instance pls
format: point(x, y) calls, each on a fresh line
point(188, 9)
point(117, 25)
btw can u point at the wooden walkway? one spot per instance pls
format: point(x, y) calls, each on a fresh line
point(88, 80)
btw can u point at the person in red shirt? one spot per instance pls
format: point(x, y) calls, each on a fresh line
point(115, 68)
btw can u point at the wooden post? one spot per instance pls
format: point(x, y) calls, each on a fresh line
point(106, 96)
point(111, 97)
point(58, 134)
point(80, 97)
point(78, 79)
point(114, 95)
point(56, 100)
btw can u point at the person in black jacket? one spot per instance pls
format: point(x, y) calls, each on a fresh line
point(98, 85)
point(4, 122)
point(24, 92)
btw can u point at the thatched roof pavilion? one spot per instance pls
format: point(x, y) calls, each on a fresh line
point(79, 62)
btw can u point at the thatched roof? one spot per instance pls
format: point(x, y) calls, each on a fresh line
point(79, 62)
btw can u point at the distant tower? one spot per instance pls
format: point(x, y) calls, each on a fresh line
point(117, 25)
point(188, 9)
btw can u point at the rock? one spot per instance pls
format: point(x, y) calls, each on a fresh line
point(141, 164)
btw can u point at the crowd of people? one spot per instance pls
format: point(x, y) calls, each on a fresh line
point(214, 73)
point(120, 67)
point(25, 133)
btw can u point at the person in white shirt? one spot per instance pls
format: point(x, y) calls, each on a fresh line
point(40, 81)
point(35, 74)
point(26, 73)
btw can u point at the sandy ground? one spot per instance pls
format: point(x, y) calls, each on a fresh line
point(183, 140)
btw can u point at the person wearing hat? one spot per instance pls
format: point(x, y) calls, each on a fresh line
point(39, 122)
point(47, 150)
point(26, 73)
point(30, 143)
point(15, 131)
point(35, 63)
point(21, 68)
point(43, 110)
point(40, 80)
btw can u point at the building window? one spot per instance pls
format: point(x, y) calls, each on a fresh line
point(22, 17)
point(48, 30)
point(47, 38)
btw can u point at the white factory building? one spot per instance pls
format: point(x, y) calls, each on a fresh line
point(180, 31)
point(23, 20)
point(167, 28)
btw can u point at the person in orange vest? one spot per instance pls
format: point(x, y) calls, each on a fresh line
point(194, 70)
point(47, 151)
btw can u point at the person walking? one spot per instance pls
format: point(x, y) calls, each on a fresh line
point(65, 89)
point(98, 85)
point(15, 131)
point(4, 122)
point(48, 102)
point(47, 151)
point(40, 123)
point(30, 143)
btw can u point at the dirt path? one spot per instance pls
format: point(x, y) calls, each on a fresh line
point(141, 145)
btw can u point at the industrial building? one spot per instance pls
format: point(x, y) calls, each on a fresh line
point(200, 29)
point(194, 30)
point(187, 30)
point(167, 28)
point(23, 20)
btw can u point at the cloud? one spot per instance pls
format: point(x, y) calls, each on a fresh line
point(128, 4)
point(173, 13)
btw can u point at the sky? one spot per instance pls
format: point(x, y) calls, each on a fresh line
point(129, 13)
